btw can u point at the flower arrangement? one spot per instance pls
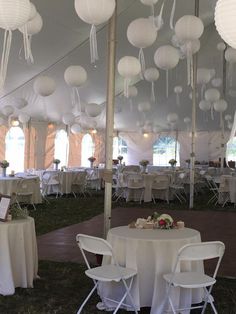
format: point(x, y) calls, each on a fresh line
point(144, 163)
point(91, 159)
point(4, 164)
point(17, 212)
point(165, 221)
point(56, 161)
point(172, 162)
point(156, 221)
point(120, 157)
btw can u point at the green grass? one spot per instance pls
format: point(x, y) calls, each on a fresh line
point(63, 286)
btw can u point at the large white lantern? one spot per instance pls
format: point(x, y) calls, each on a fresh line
point(93, 110)
point(33, 11)
point(151, 75)
point(220, 105)
point(128, 67)
point(7, 110)
point(166, 58)
point(212, 94)
point(205, 105)
point(187, 120)
point(172, 118)
point(189, 27)
point(68, 118)
point(178, 90)
point(24, 118)
point(75, 128)
point(20, 103)
point(75, 75)
point(230, 55)
point(94, 13)
point(13, 14)
point(141, 33)
point(225, 21)
point(44, 86)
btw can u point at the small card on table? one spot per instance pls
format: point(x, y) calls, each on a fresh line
point(5, 201)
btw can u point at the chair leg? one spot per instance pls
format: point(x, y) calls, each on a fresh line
point(88, 297)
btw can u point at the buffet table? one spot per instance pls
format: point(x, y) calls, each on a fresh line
point(152, 253)
point(18, 255)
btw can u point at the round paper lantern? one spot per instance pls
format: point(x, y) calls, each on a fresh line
point(189, 27)
point(68, 118)
point(187, 120)
point(225, 21)
point(166, 57)
point(7, 110)
point(228, 117)
point(212, 94)
point(33, 11)
point(221, 46)
point(191, 47)
point(133, 91)
point(75, 76)
point(128, 67)
point(172, 118)
point(176, 42)
point(44, 86)
point(34, 26)
point(220, 105)
point(178, 89)
point(216, 82)
point(205, 105)
point(152, 75)
point(75, 128)
point(144, 106)
point(20, 103)
point(230, 55)
point(24, 118)
point(203, 76)
point(230, 125)
point(93, 110)
point(94, 13)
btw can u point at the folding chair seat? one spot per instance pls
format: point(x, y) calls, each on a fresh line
point(193, 280)
point(51, 183)
point(106, 273)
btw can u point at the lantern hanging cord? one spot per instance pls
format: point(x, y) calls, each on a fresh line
point(177, 99)
point(126, 87)
point(153, 98)
point(5, 56)
point(93, 44)
point(75, 99)
point(27, 45)
point(167, 83)
point(142, 62)
point(172, 14)
point(158, 20)
point(131, 105)
point(212, 112)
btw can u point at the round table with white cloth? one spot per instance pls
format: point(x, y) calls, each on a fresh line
point(18, 255)
point(152, 252)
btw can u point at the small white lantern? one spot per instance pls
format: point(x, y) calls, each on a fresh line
point(178, 90)
point(221, 46)
point(68, 118)
point(205, 105)
point(24, 118)
point(93, 110)
point(94, 13)
point(212, 94)
point(20, 103)
point(172, 118)
point(44, 86)
point(141, 33)
point(7, 110)
point(128, 67)
point(220, 105)
point(75, 128)
point(151, 75)
point(189, 27)
point(225, 21)
point(216, 82)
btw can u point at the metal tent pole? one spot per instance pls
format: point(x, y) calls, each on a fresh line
point(222, 126)
point(192, 156)
point(110, 120)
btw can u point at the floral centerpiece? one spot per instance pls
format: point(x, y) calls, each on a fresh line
point(156, 221)
point(4, 164)
point(56, 163)
point(91, 159)
point(144, 164)
point(172, 162)
point(120, 158)
point(18, 212)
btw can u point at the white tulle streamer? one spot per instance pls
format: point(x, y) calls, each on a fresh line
point(190, 69)
point(131, 105)
point(172, 14)
point(177, 99)
point(153, 97)
point(5, 56)
point(167, 84)
point(142, 62)
point(93, 44)
point(126, 87)
point(75, 99)
point(203, 90)
point(212, 112)
point(27, 39)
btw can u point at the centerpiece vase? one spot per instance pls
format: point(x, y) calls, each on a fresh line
point(144, 169)
point(56, 166)
point(91, 164)
point(4, 172)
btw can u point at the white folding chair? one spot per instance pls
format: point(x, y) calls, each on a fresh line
point(24, 193)
point(79, 184)
point(106, 273)
point(178, 187)
point(135, 183)
point(193, 280)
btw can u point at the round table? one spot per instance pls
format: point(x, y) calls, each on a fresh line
point(152, 252)
point(19, 255)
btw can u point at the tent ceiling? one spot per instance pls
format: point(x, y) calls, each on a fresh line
point(63, 41)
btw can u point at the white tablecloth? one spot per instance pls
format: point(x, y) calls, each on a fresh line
point(8, 185)
point(18, 255)
point(152, 253)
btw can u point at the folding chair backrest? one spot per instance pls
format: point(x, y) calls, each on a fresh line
point(80, 177)
point(94, 245)
point(24, 185)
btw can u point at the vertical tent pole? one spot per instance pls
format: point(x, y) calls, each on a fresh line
point(29, 144)
point(110, 120)
point(222, 126)
point(192, 156)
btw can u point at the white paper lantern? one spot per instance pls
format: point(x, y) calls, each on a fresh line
point(94, 13)
point(7, 110)
point(172, 118)
point(212, 94)
point(178, 90)
point(33, 11)
point(24, 118)
point(144, 106)
point(187, 120)
point(205, 105)
point(220, 105)
point(34, 26)
point(189, 27)
point(128, 67)
point(93, 110)
point(203, 76)
point(151, 75)
point(75, 75)
point(228, 117)
point(75, 128)
point(216, 82)
point(68, 118)
point(225, 21)
point(221, 46)
point(44, 86)
point(20, 103)
point(230, 55)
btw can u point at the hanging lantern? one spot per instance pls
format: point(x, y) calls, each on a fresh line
point(172, 118)
point(178, 90)
point(128, 67)
point(94, 13)
point(75, 76)
point(220, 106)
point(221, 46)
point(93, 110)
point(166, 58)
point(33, 11)
point(187, 120)
point(203, 76)
point(152, 75)
point(228, 117)
point(144, 107)
point(24, 118)
point(216, 82)
point(44, 86)
point(13, 14)
point(132, 92)
point(75, 128)
point(225, 21)
point(33, 27)
point(205, 105)
point(20, 103)
point(212, 94)
point(68, 118)
point(7, 110)
point(189, 27)
point(141, 33)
